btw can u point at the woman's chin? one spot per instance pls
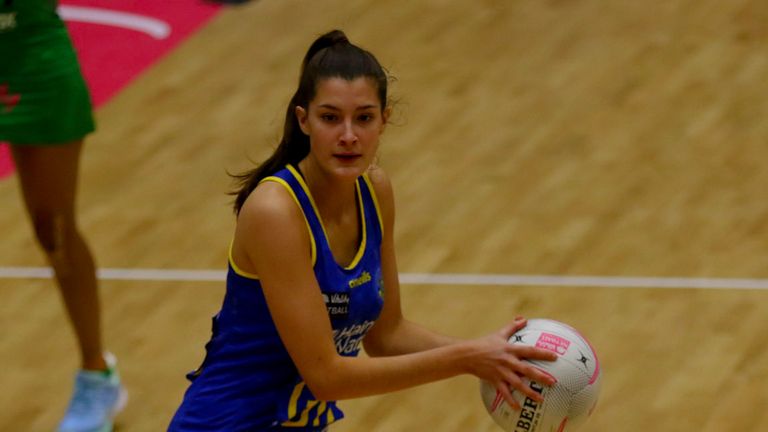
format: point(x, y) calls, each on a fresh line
point(350, 167)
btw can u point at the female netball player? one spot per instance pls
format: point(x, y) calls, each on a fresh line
point(45, 113)
point(312, 274)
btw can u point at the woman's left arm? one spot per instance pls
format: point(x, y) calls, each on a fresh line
point(393, 334)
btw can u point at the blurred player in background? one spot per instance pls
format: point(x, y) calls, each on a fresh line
point(45, 113)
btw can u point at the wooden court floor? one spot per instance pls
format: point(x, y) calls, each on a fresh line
point(561, 138)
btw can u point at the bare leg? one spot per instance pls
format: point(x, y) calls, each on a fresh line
point(48, 176)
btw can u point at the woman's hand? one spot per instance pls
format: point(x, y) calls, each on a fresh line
point(495, 360)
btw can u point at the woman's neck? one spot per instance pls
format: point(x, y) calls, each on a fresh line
point(333, 196)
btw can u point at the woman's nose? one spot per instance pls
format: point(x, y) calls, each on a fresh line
point(348, 134)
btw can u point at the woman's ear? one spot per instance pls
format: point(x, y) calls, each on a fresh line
point(301, 117)
point(385, 118)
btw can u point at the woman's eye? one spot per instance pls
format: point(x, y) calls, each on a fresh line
point(365, 117)
point(328, 117)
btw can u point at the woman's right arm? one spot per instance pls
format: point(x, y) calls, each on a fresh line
point(272, 241)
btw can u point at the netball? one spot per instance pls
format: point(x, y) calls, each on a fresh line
point(568, 403)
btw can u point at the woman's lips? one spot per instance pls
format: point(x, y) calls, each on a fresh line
point(347, 156)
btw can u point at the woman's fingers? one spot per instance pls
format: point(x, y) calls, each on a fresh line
point(535, 374)
point(519, 373)
point(532, 353)
point(518, 324)
point(503, 389)
point(530, 370)
point(530, 392)
point(517, 383)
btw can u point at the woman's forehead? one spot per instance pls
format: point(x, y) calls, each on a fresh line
point(336, 91)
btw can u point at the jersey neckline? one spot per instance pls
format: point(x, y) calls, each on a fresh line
point(361, 219)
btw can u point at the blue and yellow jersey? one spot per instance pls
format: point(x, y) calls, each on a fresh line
point(247, 381)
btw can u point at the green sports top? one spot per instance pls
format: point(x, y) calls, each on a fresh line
point(34, 42)
point(19, 18)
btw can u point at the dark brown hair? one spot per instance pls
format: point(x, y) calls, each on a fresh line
point(331, 55)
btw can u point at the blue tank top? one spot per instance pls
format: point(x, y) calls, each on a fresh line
point(247, 381)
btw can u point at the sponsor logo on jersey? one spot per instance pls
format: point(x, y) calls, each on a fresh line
point(348, 339)
point(363, 279)
point(337, 304)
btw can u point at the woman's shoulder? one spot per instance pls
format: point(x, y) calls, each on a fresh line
point(269, 202)
point(269, 220)
point(382, 189)
point(380, 181)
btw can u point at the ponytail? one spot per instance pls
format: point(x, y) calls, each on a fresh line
point(327, 40)
point(330, 55)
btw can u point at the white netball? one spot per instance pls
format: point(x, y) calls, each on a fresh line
point(568, 403)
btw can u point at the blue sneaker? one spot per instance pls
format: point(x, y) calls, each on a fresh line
point(97, 398)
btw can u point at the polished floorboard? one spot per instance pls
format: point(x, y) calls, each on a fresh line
point(561, 138)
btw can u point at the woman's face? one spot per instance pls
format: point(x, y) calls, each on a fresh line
point(343, 122)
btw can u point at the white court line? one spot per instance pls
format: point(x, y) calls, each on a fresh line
point(181, 275)
point(121, 274)
point(582, 281)
point(154, 27)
